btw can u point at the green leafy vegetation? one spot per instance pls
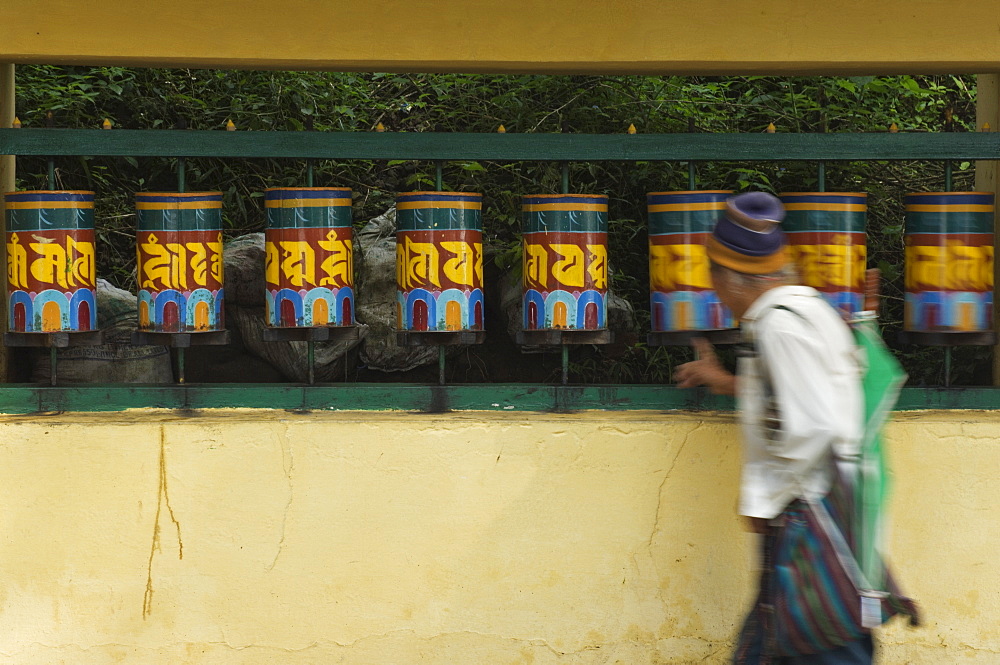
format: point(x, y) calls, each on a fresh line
point(303, 101)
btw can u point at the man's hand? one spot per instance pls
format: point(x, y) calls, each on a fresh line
point(706, 370)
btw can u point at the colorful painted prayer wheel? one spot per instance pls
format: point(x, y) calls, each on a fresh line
point(565, 264)
point(439, 261)
point(50, 261)
point(826, 241)
point(681, 296)
point(179, 259)
point(949, 262)
point(309, 265)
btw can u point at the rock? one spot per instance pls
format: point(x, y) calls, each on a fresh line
point(291, 358)
point(244, 270)
point(115, 361)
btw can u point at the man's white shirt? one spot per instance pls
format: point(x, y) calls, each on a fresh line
point(803, 345)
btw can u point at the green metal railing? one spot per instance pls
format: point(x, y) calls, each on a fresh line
point(440, 148)
point(499, 147)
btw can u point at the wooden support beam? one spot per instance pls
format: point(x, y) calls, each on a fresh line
point(988, 177)
point(6, 185)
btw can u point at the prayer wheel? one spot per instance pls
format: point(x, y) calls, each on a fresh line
point(50, 261)
point(565, 261)
point(309, 264)
point(681, 295)
point(439, 262)
point(826, 242)
point(949, 262)
point(179, 261)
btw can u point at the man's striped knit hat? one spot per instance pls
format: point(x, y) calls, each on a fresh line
point(749, 238)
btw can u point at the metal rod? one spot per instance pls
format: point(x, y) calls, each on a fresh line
point(692, 177)
point(563, 348)
point(309, 173)
point(52, 173)
point(438, 175)
point(441, 365)
point(180, 364)
point(947, 366)
point(565, 364)
point(180, 175)
point(53, 364)
point(947, 176)
point(821, 177)
point(311, 360)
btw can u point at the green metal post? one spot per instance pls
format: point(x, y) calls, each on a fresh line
point(180, 364)
point(947, 350)
point(692, 177)
point(565, 364)
point(52, 174)
point(309, 173)
point(441, 365)
point(180, 174)
point(438, 175)
point(53, 363)
point(563, 348)
point(821, 177)
point(311, 360)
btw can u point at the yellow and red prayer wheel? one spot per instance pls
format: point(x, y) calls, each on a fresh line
point(949, 262)
point(826, 242)
point(50, 261)
point(439, 261)
point(179, 261)
point(681, 295)
point(565, 261)
point(309, 264)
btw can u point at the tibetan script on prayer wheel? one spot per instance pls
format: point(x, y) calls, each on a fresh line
point(681, 295)
point(439, 261)
point(50, 261)
point(949, 262)
point(565, 262)
point(309, 264)
point(179, 262)
point(826, 242)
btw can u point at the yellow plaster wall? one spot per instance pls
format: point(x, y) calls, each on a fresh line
point(600, 36)
point(267, 537)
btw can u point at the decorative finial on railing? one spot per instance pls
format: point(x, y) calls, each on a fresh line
point(17, 123)
point(631, 128)
point(230, 125)
point(501, 130)
point(380, 127)
point(986, 127)
point(893, 128)
point(106, 124)
point(50, 119)
point(770, 128)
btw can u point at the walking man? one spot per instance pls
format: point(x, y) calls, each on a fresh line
point(798, 392)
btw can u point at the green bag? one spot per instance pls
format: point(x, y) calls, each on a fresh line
point(882, 379)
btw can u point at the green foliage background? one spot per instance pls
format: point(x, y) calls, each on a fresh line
point(297, 101)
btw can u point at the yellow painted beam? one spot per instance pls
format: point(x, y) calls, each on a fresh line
point(6, 185)
point(570, 36)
